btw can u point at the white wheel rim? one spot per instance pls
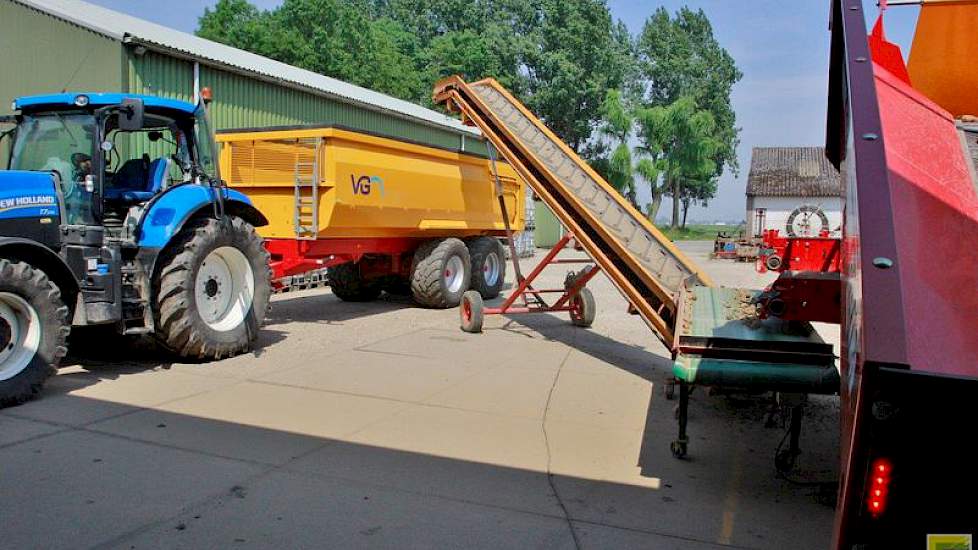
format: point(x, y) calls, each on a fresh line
point(22, 330)
point(453, 274)
point(490, 269)
point(224, 288)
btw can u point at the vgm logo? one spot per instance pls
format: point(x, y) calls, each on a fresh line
point(949, 542)
point(365, 184)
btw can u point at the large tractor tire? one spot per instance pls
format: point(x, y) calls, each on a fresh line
point(488, 266)
point(349, 286)
point(212, 290)
point(440, 273)
point(33, 329)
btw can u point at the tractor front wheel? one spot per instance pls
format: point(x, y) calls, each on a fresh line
point(213, 289)
point(33, 330)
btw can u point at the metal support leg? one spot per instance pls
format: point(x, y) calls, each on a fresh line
point(784, 461)
point(678, 447)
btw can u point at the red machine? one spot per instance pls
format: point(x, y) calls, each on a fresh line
point(909, 320)
point(780, 253)
point(809, 287)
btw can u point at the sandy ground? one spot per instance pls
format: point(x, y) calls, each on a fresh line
point(382, 425)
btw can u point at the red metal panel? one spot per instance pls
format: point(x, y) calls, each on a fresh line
point(936, 208)
point(294, 256)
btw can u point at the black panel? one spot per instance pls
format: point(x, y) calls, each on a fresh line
point(40, 230)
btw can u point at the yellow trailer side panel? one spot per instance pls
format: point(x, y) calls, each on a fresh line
point(368, 186)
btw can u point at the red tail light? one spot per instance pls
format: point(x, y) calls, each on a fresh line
point(879, 486)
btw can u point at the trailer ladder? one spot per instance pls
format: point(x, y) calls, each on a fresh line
point(307, 178)
point(642, 262)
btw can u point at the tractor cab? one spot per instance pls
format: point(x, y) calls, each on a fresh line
point(111, 152)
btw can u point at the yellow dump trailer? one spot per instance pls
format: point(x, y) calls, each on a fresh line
point(380, 213)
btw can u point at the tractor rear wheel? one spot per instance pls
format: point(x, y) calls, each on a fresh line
point(349, 286)
point(488, 266)
point(213, 289)
point(33, 330)
point(440, 273)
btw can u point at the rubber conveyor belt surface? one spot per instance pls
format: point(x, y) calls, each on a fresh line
point(644, 264)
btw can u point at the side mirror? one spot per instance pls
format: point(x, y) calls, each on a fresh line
point(131, 115)
point(155, 136)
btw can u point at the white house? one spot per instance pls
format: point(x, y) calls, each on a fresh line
point(795, 190)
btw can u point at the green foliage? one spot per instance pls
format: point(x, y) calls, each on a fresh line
point(678, 141)
point(558, 56)
point(618, 127)
point(593, 83)
point(679, 57)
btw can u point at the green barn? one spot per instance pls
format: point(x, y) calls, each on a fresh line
point(54, 45)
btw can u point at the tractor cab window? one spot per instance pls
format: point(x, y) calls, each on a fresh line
point(206, 148)
point(62, 143)
point(139, 164)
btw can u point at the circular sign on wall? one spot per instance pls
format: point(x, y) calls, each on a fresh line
point(807, 220)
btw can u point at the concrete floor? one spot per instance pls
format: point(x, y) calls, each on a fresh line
point(383, 425)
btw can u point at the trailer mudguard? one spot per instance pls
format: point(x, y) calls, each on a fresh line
point(165, 215)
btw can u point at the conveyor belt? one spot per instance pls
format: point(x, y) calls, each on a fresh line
point(645, 265)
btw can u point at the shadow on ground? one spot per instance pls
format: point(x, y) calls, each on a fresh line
point(151, 478)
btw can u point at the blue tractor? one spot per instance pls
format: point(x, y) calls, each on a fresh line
point(113, 212)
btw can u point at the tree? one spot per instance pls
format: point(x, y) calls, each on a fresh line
point(677, 142)
point(572, 61)
point(617, 126)
point(679, 57)
point(697, 191)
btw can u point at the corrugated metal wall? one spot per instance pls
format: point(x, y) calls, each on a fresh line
point(40, 54)
point(161, 75)
point(244, 102)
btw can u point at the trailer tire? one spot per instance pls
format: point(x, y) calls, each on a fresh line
point(348, 286)
point(440, 273)
point(208, 266)
point(396, 285)
point(488, 266)
point(33, 330)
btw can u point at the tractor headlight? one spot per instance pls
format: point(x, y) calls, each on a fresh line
point(81, 100)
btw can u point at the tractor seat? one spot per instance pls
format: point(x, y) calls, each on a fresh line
point(138, 180)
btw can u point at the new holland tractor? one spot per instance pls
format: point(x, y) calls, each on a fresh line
point(112, 212)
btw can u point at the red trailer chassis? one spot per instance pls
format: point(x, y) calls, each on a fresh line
point(909, 360)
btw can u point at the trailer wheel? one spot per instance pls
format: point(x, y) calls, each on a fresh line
point(584, 309)
point(488, 266)
point(33, 330)
point(348, 286)
point(773, 262)
point(213, 289)
point(440, 273)
point(471, 312)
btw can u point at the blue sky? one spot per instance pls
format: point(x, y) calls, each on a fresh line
point(781, 47)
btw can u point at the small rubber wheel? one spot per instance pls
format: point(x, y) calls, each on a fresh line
point(773, 262)
point(678, 448)
point(488, 266)
point(583, 308)
point(471, 312)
